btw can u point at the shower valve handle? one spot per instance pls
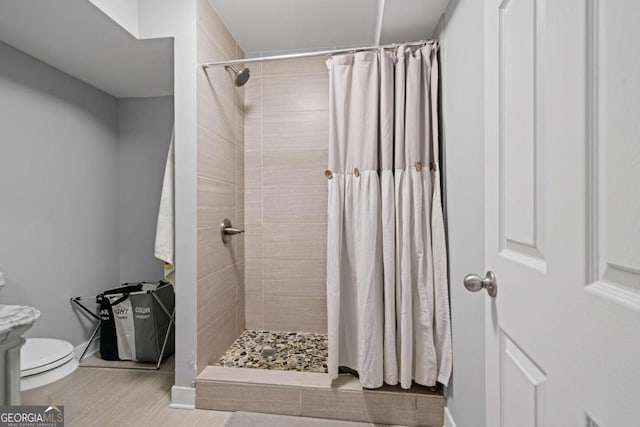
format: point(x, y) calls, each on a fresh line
point(231, 231)
point(227, 230)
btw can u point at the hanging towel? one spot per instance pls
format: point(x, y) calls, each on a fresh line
point(165, 231)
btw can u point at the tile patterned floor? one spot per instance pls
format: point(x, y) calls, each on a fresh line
point(286, 351)
point(99, 397)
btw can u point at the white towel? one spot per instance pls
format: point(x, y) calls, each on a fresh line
point(164, 249)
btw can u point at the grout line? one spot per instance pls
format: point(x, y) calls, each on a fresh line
point(311, 298)
point(199, 123)
point(287, 187)
point(217, 180)
point(216, 84)
point(270, 187)
point(215, 322)
point(217, 89)
point(207, 130)
point(206, 32)
point(294, 74)
point(217, 271)
point(310, 110)
point(206, 307)
point(262, 192)
point(241, 284)
point(297, 150)
point(287, 260)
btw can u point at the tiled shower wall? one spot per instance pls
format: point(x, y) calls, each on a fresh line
point(220, 190)
point(286, 137)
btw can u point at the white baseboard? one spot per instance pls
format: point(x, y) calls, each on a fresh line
point(183, 397)
point(93, 348)
point(448, 419)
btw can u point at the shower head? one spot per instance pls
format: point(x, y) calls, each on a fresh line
point(241, 76)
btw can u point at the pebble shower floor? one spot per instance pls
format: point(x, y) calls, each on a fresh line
point(285, 351)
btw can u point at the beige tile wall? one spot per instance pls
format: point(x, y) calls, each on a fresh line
point(220, 120)
point(286, 137)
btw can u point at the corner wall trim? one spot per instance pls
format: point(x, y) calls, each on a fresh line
point(183, 397)
point(448, 419)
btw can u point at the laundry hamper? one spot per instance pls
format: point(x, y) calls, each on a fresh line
point(136, 322)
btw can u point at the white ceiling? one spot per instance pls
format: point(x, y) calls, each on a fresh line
point(409, 20)
point(263, 27)
point(77, 38)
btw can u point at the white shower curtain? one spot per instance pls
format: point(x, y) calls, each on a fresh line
point(387, 291)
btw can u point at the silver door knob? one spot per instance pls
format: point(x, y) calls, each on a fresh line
point(474, 283)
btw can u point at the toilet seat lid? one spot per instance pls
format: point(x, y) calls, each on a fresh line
point(44, 353)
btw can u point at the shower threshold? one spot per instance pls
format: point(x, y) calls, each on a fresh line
point(285, 373)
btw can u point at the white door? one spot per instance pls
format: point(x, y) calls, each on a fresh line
point(562, 156)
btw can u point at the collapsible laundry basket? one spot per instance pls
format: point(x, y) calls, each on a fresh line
point(136, 322)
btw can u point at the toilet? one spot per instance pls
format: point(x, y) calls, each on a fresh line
point(45, 360)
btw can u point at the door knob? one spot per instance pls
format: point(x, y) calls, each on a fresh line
point(474, 283)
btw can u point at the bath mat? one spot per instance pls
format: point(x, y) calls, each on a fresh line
point(250, 419)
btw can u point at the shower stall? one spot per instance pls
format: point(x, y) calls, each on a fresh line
point(286, 123)
point(263, 145)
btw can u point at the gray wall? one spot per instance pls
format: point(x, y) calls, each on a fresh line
point(145, 130)
point(71, 199)
point(462, 58)
point(58, 192)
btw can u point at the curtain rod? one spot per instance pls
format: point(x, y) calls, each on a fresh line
point(311, 54)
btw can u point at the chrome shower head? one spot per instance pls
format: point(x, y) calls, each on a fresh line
point(242, 76)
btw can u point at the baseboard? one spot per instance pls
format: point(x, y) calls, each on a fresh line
point(183, 397)
point(93, 348)
point(448, 419)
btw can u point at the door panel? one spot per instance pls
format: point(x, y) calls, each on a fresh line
point(522, 387)
point(517, 110)
point(614, 152)
point(520, 196)
point(562, 186)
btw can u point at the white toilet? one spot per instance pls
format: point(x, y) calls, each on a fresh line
point(45, 360)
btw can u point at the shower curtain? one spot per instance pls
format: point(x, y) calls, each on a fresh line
point(387, 291)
